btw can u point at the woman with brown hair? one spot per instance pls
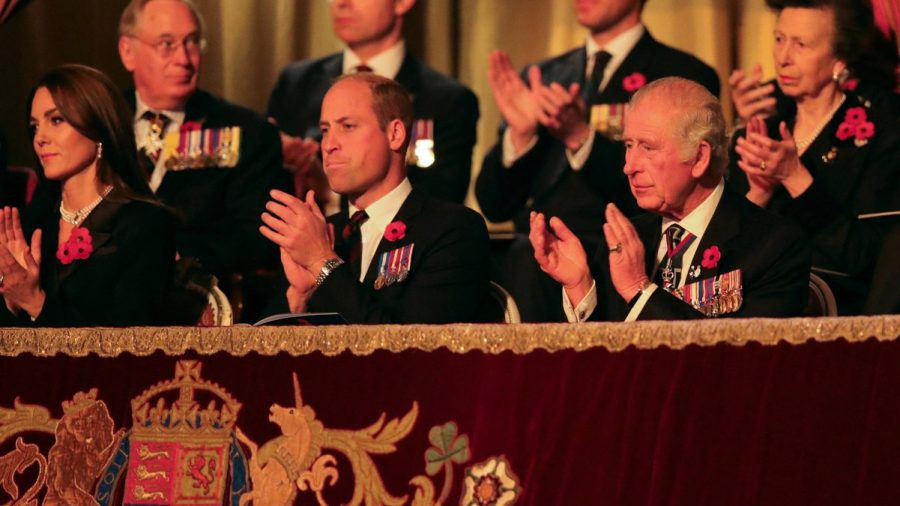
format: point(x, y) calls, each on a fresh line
point(829, 157)
point(102, 249)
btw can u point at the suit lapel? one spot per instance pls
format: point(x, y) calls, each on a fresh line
point(99, 224)
point(407, 214)
point(723, 227)
point(637, 60)
point(408, 76)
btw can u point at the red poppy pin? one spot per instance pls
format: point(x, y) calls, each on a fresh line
point(395, 231)
point(79, 246)
point(711, 256)
point(633, 82)
point(856, 126)
point(850, 84)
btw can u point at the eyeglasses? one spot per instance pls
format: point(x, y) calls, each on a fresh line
point(166, 46)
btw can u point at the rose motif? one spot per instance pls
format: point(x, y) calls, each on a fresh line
point(490, 483)
point(711, 257)
point(79, 246)
point(633, 82)
point(395, 231)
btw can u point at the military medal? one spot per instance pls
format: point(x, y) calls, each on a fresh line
point(421, 147)
point(609, 120)
point(196, 148)
point(394, 266)
point(669, 272)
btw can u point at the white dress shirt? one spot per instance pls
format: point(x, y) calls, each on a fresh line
point(385, 64)
point(381, 213)
point(696, 222)
point(142, 131)
point(618, 48)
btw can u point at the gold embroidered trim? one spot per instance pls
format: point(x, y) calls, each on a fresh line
point(460, 338)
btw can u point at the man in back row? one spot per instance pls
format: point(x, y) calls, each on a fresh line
point(446, 112)
point(701, 250)
point(560, 150)
point(211, 161)
point(396, 255)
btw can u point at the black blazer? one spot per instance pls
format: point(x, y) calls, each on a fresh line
point(124, 280)
point(772, 255)
point(296, 104)
point(218, 209)
point(448, 279)
point(853, 200)
point(542, 179)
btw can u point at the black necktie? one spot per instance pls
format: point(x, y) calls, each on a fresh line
point(362, 67)
point(601, 60)
point(153, 144)
point(351, 237)
point(668, 274)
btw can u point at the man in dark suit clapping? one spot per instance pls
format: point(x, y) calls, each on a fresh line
point(396, 255)
point(446, 112)
point(559, 150)
point(701, 250)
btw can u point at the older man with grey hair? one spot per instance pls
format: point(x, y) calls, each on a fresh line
point(701, 251)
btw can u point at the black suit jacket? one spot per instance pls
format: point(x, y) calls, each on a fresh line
point(542, 179)
point(772, 255)
point(124, 280)
point(296, 104)
point(448, 279)
point(853, 200)
point(219, 209)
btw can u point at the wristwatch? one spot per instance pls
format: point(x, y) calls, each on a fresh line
point(329, 267)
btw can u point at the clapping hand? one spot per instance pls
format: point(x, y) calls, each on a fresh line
point(562, 110)
point(749, 96)
point(626, 254)
point(514, 99)
point(772, 162)
point(300, 229)
point(560, 254)
point(20, 270)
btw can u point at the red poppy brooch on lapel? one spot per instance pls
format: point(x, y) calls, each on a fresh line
point(395, 231)
point(79, 246)
point(633, 82)
point(711, 257)
point(857, 126)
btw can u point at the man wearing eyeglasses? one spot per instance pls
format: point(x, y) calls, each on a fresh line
point(214, 162)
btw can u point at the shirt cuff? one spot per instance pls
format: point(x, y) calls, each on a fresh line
point(584, 309)
point(577, 159)
point(509, 151)
point(641, 302)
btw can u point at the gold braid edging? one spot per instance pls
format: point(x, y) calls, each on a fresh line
point(458, 338)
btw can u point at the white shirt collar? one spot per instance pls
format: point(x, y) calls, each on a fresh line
point(176, 117)
point(698, 220)
point(381, 213)
point(618, 48)
point(385, 64)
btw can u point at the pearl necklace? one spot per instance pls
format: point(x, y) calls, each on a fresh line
point(804, 143)
point(78, 216)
